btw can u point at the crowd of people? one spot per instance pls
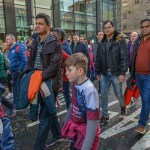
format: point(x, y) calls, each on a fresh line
point(61, 65)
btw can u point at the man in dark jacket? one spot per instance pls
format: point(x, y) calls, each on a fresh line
point(46, 54)
point(99, 37)
point(78, 47)
point(111, 65)
point(140, 69)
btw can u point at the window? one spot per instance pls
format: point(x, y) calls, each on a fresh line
point(46, 4)
point(124, 27)
point(148, 1)
point(124, 16)
point(79, 6)
point(66, 5)
point(136, 1)
point(148, 12)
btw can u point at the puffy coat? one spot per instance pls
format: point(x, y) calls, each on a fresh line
point(18, 59)
point(117, 54)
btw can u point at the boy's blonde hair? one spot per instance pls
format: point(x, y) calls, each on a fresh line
point(79, 60)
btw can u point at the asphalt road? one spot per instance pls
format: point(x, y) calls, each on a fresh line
point(118, 134)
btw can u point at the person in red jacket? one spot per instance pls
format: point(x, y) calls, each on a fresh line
point(60, 35)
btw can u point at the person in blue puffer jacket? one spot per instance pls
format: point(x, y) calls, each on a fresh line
point(18, 61)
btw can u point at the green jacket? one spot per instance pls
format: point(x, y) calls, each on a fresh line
point(3, 66)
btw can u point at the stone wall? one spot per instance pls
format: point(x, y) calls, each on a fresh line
point(133, 11)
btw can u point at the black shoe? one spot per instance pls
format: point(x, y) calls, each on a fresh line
point(53, 141)
point(123, 110)
point(104, 120)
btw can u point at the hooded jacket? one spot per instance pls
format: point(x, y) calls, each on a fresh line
point(51, 57)
point(117, 54)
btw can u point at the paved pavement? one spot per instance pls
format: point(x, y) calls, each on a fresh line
point(118, 134)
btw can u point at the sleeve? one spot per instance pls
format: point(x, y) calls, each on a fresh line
point(92, 104)
point(65, 56)
point(90, 134)
point(22, 57)
point(124, 57)
point(86, 51)
point(68, 114)
point(55, 63)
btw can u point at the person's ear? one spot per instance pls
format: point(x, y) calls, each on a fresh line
point(80, 71)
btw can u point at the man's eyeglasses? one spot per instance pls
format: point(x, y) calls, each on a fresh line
point(142, 27)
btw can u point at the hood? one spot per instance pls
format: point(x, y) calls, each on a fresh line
point(117, 36)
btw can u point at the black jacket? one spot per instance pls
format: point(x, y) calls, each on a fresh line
point(80, 48)
point(117, 54)
point(51, 57)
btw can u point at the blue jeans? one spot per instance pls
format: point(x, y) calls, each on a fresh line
point(106, 80)
point(143, 83)
point(66, 92)
point(7, 139)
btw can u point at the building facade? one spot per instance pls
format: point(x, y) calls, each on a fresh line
point(75, 16)
point(133, 11)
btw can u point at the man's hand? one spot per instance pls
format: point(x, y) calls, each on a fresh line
point(98, 77)
point(122, 78)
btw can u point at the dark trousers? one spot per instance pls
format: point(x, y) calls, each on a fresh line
point(66, 93)
point(48, 121)
point(15, 76)
point(9, 82)
point(6, 103)
point(3, 81)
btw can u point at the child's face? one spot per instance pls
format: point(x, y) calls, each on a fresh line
point(72, 73)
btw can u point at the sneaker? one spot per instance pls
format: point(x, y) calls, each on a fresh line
point(123, 110)
point(104, 120)
point(140, 130)
point(12, 112)
point(53, 141)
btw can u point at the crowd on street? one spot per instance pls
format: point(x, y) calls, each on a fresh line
point(33, 71)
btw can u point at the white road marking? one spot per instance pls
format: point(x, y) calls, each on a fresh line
point(62, 112)
point(37, 122)
point(143, 143)
point(130, 118)
point(112, 103)
point(62, 102)
point(33, 124)
point(121, 126)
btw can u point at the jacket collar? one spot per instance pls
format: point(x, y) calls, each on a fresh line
point(116, 37)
